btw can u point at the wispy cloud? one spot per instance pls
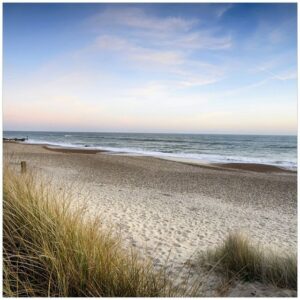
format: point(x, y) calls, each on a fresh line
point(204, 39)
point(136, 18)
point(288, 75)
point(185, 72)
point(221, 10)
point(163, 43)
point(162, 31)
point(134, 52)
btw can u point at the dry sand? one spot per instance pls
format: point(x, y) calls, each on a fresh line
point(169, 210)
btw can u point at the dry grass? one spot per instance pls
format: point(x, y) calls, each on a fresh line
point(53, 249)
point(238, 258)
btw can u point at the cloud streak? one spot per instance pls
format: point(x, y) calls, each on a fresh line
point(289, 75)
point(165, 44)
point(137, 19)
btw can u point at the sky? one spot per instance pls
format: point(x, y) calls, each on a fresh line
point(186, 68)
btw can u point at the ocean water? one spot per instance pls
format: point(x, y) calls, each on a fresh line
point(211, 148)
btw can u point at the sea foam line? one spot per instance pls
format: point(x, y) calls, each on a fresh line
point(192, 157)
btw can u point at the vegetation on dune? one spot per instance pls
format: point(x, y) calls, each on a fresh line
point(53, 249)
point(239, 258)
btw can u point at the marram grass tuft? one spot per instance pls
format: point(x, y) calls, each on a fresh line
point(53, 249)
point(239, 258)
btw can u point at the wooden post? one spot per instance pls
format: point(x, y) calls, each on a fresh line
point(23, 167)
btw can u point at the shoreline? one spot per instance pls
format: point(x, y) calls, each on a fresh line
point(240, 166)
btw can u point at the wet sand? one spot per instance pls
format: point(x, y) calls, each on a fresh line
point(70, 150)
point(255, 167)
point(169, 211)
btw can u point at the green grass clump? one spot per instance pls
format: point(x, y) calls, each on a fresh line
point(238, 258)
point(52, 248)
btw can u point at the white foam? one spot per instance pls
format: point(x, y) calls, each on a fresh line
point(187, 157)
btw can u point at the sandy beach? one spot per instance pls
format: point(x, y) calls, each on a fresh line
point(170, 211)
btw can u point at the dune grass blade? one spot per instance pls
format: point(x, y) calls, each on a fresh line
point(52, 248)
point(237, 257)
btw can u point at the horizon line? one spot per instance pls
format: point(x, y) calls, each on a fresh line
point(136, 132)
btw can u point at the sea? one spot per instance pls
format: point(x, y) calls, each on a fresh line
point(277, 150)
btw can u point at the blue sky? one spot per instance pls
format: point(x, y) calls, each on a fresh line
point(198, 68)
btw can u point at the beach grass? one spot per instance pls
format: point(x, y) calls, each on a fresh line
point(52, 248)
point(238, 258)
